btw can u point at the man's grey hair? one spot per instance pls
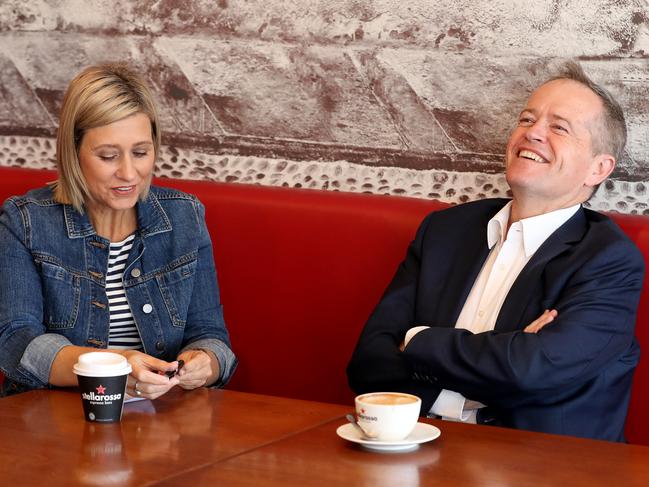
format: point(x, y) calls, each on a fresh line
point(609, 137)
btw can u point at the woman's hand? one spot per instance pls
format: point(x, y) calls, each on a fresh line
point(201, 368)
point(148, 377)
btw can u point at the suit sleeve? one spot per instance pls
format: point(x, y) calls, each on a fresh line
point(597, 306)
point(377, 364)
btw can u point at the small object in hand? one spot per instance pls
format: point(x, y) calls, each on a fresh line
point(171, 373)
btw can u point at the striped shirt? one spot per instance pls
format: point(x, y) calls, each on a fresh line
point(122, 332)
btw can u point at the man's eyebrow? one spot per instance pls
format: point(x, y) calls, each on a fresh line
point(553, 116)
point(556, 116)
point(527, 110)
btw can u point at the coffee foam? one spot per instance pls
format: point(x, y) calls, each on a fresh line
point(387, 399)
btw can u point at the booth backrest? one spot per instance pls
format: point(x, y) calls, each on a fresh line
point(301, 270)
point(637, 423)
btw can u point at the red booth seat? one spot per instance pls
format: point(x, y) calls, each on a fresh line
point(301, 270)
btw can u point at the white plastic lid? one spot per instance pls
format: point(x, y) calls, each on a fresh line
point(101, 364)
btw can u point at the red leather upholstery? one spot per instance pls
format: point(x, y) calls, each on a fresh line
point(637, 422)
point(300, 271)
point(300, 275)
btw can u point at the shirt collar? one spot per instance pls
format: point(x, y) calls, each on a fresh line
point(536, 229)
point(151, 218)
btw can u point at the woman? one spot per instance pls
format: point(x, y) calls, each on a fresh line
point(102, 260)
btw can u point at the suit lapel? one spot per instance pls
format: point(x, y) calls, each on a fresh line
point(471, 254)
point(465, 273)
point(530, 278)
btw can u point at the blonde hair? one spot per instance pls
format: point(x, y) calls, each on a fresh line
point(99, 95)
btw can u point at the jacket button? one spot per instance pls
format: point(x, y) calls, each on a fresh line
point(147, 308)
point(159, 346)
point(136, 272)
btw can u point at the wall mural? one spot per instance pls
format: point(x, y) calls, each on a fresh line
point(404, 97)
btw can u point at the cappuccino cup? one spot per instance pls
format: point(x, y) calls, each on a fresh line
point(387, 416)
point(102, 380)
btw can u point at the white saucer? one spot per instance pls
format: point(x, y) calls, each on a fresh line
point(422, 433)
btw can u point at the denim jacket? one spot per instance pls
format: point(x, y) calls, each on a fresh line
point(52, 284)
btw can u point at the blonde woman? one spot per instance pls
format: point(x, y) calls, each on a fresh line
point(103, 260)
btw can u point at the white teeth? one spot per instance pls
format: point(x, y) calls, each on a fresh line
point(531, 155)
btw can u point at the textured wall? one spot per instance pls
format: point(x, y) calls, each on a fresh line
point(399, 97)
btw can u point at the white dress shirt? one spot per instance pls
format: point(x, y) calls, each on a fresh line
point(510, 251)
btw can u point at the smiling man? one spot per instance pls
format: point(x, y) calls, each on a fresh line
point(521, 312)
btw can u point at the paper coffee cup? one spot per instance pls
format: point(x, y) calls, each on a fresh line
point(102, 382)
point(387, 416)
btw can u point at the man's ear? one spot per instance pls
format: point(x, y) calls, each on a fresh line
point(602, 167)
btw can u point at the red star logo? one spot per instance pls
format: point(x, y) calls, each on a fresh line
point(362, 410)
point(101, 389)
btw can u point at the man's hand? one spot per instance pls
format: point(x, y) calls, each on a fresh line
point(547, 317)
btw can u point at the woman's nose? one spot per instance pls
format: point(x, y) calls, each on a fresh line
point(126, 169)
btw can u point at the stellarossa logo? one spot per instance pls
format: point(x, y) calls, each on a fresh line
point(100, 397)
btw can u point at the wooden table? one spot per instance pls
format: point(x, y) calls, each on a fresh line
point(43, 436)
point(210, 437)
point(464, 455)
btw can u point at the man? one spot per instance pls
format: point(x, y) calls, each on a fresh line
point(520, 313)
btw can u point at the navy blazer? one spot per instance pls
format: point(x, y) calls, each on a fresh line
point(573, 377)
